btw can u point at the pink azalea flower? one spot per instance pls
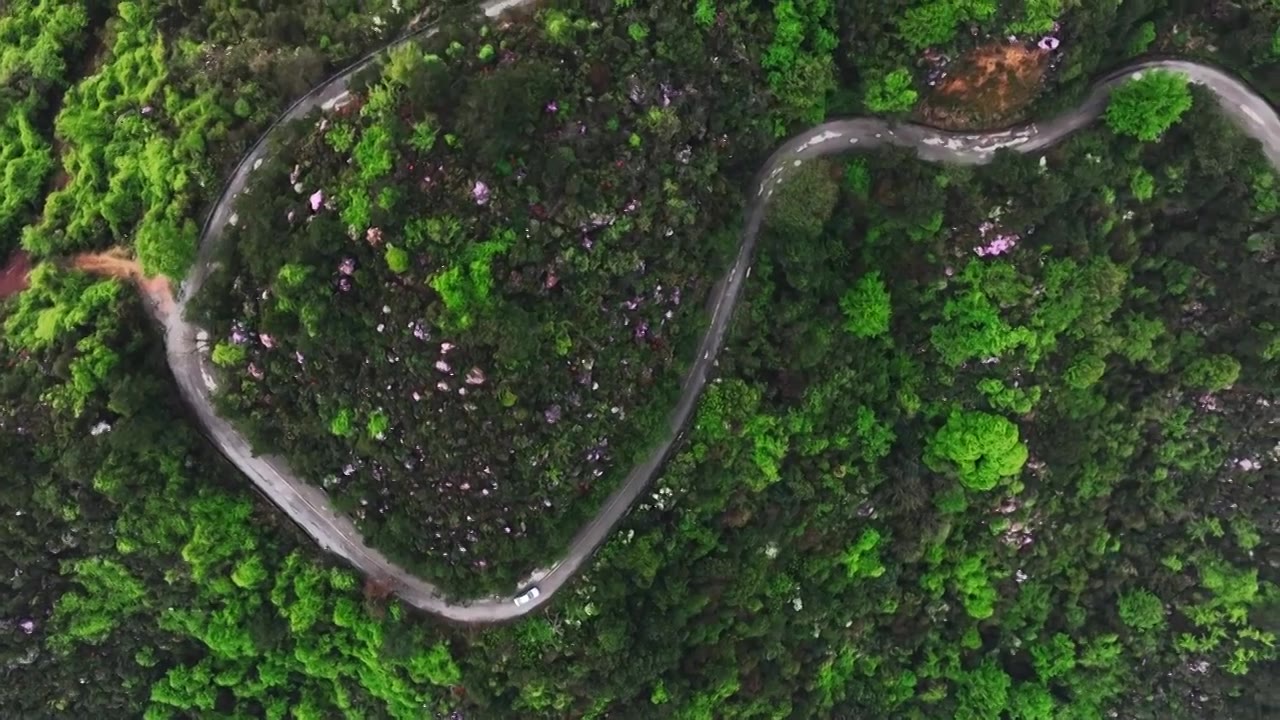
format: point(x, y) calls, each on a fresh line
point(480, 191)
point(317, 199)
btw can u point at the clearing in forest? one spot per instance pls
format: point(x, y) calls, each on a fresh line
point(989, 87)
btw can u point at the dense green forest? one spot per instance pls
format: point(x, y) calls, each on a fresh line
point(497, 255)
point(991, 442)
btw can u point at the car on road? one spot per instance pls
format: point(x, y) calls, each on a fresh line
point(528, 596)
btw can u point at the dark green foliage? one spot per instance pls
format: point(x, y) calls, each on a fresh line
point(811, 550)
point(1215, 372)
point(1085, 371)
point(803, 203)
point(516, 249)
point(1141, 610)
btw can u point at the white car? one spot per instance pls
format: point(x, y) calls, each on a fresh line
point(529, 596)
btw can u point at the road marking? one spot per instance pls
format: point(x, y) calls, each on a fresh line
point(819, 139)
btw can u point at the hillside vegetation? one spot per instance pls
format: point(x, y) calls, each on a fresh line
point(991, 443)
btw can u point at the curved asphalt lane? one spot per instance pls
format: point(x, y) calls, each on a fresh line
point(310, 507)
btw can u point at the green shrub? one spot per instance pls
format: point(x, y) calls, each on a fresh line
point(343, 423)
point(341, 137)
point(866, 307)
point(704, 13)
point(1143, 185)
point(1038, 17)
point(1216, 372)
point(424, 135)
point(972, 328)
point(862, 559)
point(1144, 108)
point(227, 355)
point(1142, 38)
point(397, 259)
point(973, 584)
point(857, 177)
point(935, 22)
point(803, 203)
point(1141, 610)
point(110, 595)
point(979, 447)
point(1085, 371)
point(890, 93)
point(1016, 400)
point(1266, 195)
point(557, 25)
point(377, 425)
point(373, 154)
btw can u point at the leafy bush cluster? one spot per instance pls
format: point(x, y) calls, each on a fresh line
point(171, 93)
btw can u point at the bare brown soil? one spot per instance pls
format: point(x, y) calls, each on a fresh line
point(990, 87)
point(13, 277)
point(116, 263)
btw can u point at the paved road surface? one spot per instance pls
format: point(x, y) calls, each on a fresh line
point(309, 506)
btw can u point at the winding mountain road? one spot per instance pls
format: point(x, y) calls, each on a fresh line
point(310, 507)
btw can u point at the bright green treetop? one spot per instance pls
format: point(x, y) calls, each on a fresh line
point(891, 92)
point(981, 448)
point(1149, 105)
point(1215, 372)
point(866, 307)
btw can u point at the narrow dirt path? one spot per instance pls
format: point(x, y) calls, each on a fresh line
point(117, 263)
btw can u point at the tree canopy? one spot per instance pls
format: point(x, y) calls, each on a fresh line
point(1147, 106)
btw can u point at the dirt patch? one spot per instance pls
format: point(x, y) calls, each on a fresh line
point(989, 87)
point(116, 263)
point(13, 278)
